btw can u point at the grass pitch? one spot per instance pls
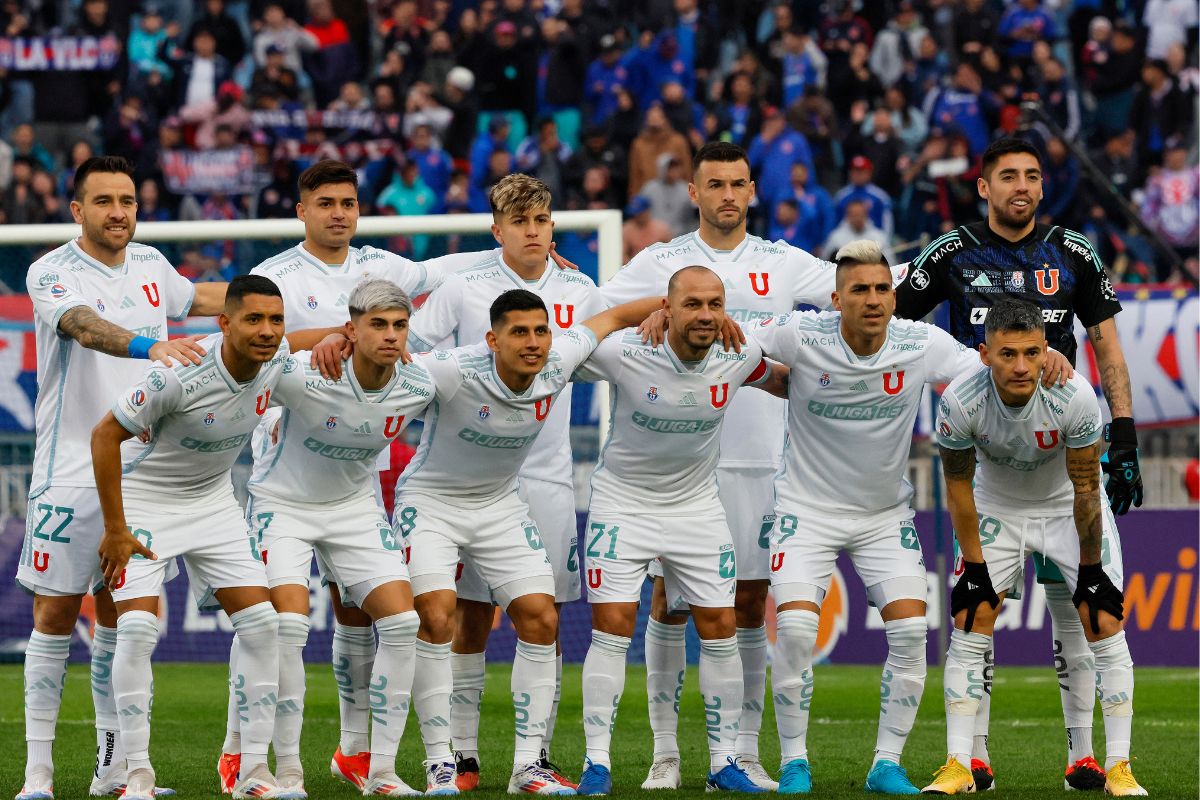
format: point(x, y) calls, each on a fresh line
point(1028, 744)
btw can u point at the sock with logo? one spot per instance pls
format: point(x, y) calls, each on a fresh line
point(45, 676)
point(901, 685)
point(258, 675)
point(431, 699)
point(353, 652)
point(792, 681)
point(110, 755)
point(752, 645)
point(289, 713)
point(1076, 670)
point(603, 685)
point(723, 690)
point(533, 694)
point(553, 718)
point(963, 689)
point(233, 721)
point(133, 684)
point(1114, 687)
point(469, 673)
point(666, 660)
point(391, 687)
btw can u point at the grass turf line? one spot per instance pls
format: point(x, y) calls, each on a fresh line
point(1028, 744)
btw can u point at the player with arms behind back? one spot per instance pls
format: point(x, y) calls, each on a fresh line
point(1037, 490)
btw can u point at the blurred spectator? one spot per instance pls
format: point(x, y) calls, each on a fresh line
point(144, 42)
point(282, 32)
point(861, 190)
point(1024, 23)
point(772, 154)
point(81, 151)
point(668, 195)
point(439, 59)
point(149, 209)
point(856, 224)
point(1169, 22)
point(1113, 85)
point(277, 200)
point(274, 75)
point(896, 45)
point(225, 109)
point(626, 122)
point(508, 83)
point(975, 25)
point(334, 61)
point(432, 162)
point(488, 142)
point(876, 139)
point(656, 138)
point(855, 83)
point(1093, 56)
point(407, 195)
point(458, 98)
point(1186, 75)
point(699, 42)
point(908, 123)
point(1118, 163)
point(927, 70)
point(1058, 97)
point(24, 145)
point(802, 64)
point(407, 32)
point(839, 33)
point(499, 163)
point(1160, 111)
point(605, 76)
point(814, 212)
point(544, 155)
point(964, 107)
point(641, 229)
point(561, 71)
point(1060, 178)
point(814, 118)
point(224, 28)
point(743, 112)
point(129, 131)
point(1170, 206)
point(683, 114)
point(596, 190)
point(786, 224)
point(598, 151)
point(200, 72)
point(350, 98)
point(655, 64)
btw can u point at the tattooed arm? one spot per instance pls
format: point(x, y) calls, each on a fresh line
point(958, 467)
point(96, 333)
point(1083, 467)
point(1114, 374)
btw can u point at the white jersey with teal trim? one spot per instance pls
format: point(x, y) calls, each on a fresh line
point(664, 442)
point(478, 431)
point(1022, 451)
point(77, 385)
point(199, 418)
point(459, 311)
point(331, 432)
point(761, 279)
point(850, 419)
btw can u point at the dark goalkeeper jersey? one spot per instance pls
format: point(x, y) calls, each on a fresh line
point(972, 268)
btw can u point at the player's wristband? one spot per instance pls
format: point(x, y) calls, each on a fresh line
point(1121, 434)
point(139, 346)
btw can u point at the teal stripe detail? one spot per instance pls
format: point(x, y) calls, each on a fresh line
point(1082, 240)
point(933, 246)
point(64, 364)
point(968, 232)
point(283, 423)
point(431, 420)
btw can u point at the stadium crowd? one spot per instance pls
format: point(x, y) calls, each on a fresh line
point(862, 119)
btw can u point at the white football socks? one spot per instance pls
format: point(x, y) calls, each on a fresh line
point(1114, 687)
point(901, 685)
point(666, 661)
point(391, 687)
point(233, 720)
point(792, 681)
point(533, 693)
point(603, 684)
point(353, 652)
point(752, 645)
point(431, 699)
point(289, 714)
point(963, 689)
point(723, 690)
point(1076, 670)
point(258, 678)
point(110, 756)
point(469, 674)
point(133, 684)
point(45, 677)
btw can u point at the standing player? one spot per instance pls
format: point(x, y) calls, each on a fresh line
point(458, 312)
point(761, 278)
point(1058, 270)
point(858, 378)
point(312, 489)
point(1038, 490)
point(101, 304)
point(176, 499)
point(654, 496)
point(457, 500)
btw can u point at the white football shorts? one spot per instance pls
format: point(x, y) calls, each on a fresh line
point(748, 497)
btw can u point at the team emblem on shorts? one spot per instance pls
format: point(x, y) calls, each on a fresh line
point(719, 395)
point(824, 379)
point(331, 423)
point(985, 439)
point(138, 398)
point(312, 301)
point(594, 577)
point(1046, 440)
point(209, 418)
point(99, 304)
point(41, 564)
point(485, 412)
point(1018, 281)
point(652, 395)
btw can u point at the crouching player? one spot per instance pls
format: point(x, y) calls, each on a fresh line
point(1038, 490)
point(313, 489)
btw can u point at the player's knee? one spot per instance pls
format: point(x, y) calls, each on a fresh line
point(56, 616)
point(906, 643)
point(612, 618)
point(472, 625)
point(350, 616)
point(536, 621)
point(750, 603)
point(137, 633)
point(714, 623)
point(437, 621)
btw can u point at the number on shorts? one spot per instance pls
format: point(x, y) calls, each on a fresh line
point(531, 536)
point(407, 521)
point(599, 531)
point(726, 568)
point(908, 538)
point(989, 529)
point(55, 535)
point(145, 537)
point(764, 533)
point(256, 536)
point(573, 556)
point(787, 527)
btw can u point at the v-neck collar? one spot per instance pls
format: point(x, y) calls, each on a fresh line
point(223, 371)
point(714, 255)
point(320, 265)
point(103, 269)
point(681, 366)
point(363, 395)
point(520, 282)
point(1022, 414)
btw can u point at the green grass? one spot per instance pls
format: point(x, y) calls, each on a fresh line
point(1028, 744)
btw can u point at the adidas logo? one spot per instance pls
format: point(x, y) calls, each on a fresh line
point(239, 415)
point(1092, 589)
point(982, 280)
point(1016, 441)
point(688, 399)
point(343, 299)
point(363, 430)
point(861, 386)
point(971, 586)
point(127, 302)
point(516, 416)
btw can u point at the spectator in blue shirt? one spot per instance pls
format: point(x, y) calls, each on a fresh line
point(487, 142)
point(861, 189)
point(963, 107)
point(432, 161)
point(1060, 176)
point(798, 65)
point(740, 114)
point(605, 76)
point(544, 155)
point(657, 64)
point(772, 154)
point(1023, 24)
point(814, 209)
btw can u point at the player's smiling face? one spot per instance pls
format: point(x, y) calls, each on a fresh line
point(380, 336)
point(525, 237)
point(521, 341)
point(1016, 359)
point(696, 310)
point(1013, 190)
point(722, 190)
point(330, 214)
point(866, 298)
point(255, 327)
point(107, 209)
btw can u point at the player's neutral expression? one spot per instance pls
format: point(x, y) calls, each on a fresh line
point(525, 236)
point(521, 341)
point(254, 327)
point(1016, 359)
point(380, 336)
point(1013, 190)
point(722, 190)
point(107, 210)
point(696, 310)
point(866, 299)
point(330, 214)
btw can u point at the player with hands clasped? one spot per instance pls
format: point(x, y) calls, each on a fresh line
point(1037, 491)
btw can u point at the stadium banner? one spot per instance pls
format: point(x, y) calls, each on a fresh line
point(296, 123)
point(230, 171)
point(59, 53)
point(1159, 332)
point(1162, 608)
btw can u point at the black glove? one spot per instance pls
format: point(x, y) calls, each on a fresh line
point(1120, 463)
point(972, 589)
point(1099, 593)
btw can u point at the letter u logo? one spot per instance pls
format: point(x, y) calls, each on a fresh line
point(888, 388)
point(766, 283)
point(262, 402)
point(564, 315)
point(594, 578)
point(41, 564)
point(719, 395)
point(776, 561)
point(392, 426)
point(152, 294)
point(542, 407)
point(1046, 440)
point(1047, 280)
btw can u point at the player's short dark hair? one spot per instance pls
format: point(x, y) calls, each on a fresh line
point(725, 152)
point(516, 300)
point(1003, 147)
point(1011, 314)
point(325, 172)
point(244, 285)
point(112, 164)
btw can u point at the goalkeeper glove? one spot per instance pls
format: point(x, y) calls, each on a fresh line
point(1120, 463)
point(1099, 593)
point(972, 589)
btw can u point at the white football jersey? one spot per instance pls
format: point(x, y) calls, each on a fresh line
point(761, 279)
point(850, 419)
point(332, 432)
point(478, 431)
point(77, 385)
point(458, 311)
point(662, 448)
point(199, 418)
point(1022, 451)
